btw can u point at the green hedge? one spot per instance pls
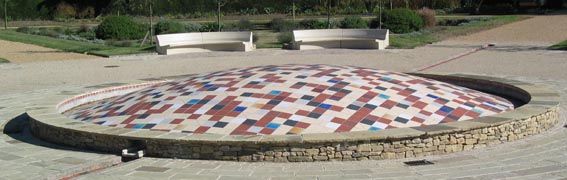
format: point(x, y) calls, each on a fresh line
point(281, 25)
point(353, 22)
point(169, 27)
point(242, 25)
point(120, 28)
point(313, 24)
point(402, 21)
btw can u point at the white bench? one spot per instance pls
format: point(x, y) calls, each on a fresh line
point(202, 42)
point(341, 38)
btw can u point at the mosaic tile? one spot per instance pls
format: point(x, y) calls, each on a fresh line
point(291, 99)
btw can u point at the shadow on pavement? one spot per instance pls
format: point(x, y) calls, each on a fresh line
point(18, 128)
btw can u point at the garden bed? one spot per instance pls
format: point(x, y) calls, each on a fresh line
point(561, 46)
point(71, 45)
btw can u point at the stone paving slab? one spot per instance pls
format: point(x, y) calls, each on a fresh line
point(531, 157)
point(23, 156)
point(31, 161)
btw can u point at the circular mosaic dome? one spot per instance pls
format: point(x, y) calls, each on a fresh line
point(292, 99)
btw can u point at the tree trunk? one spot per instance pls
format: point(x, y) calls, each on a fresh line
point(151, 24)
point(218, 15)
point(477, 10)
point(5, 14)
point(369, 6)
point(381, 4)
point(293, 13)
point(329, 14)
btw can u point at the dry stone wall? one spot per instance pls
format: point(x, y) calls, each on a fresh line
point(538, 115)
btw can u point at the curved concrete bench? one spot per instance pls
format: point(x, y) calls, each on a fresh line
point(202, 42)
point(341, 38)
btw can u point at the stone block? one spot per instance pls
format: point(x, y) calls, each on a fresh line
point(470, 141)
point(300, 159)
point(388, 155)
point(270, 153)
point(280, 159)
point(320, 158)
point(297, 149)
point(375, 157)
point(311, 152)
point(364, 148)
point(257, 157)
point(245, 158)
point(224, 148)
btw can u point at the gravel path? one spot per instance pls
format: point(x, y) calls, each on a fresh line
point(544, 30)
point(17, 52)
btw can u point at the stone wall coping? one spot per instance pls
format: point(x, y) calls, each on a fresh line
point(540, 98)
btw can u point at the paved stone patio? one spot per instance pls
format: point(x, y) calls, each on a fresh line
point(539, 157)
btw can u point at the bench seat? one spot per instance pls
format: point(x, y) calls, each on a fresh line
point(341, 38)
point(202, 42)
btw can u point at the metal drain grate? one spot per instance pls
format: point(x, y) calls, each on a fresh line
point(419, 163)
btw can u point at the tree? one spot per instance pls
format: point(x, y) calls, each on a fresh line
point(369, 4)
point(220, 3)
point(150, 3)
point(5, 14)
point(328, 14)
point(293, 11)
point(477, 9)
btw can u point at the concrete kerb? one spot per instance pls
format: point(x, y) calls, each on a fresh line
point(538, 114)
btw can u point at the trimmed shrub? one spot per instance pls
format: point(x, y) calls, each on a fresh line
point(86, 13)
point(83, 28)
point(26, 30)
point(353, 22)
point(59, 30)
point(285, 37)
point(169, 27)
point(402, 21)
point(48, 32)
point(281, 25)
point(193, 27)
point(120, 28)
point(375, 23)
point(210, 27)
point(64, 11)
point(255, 38)
point(245, 25)
point(242, 25)
point(313, 24)
point(428, 17)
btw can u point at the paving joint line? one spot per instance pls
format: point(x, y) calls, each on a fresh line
point(97, 170)
point(453, 58)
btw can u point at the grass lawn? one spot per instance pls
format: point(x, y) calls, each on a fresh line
point(439, 33)
point(2, 60)
point(560, 46)
point(71, 46)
